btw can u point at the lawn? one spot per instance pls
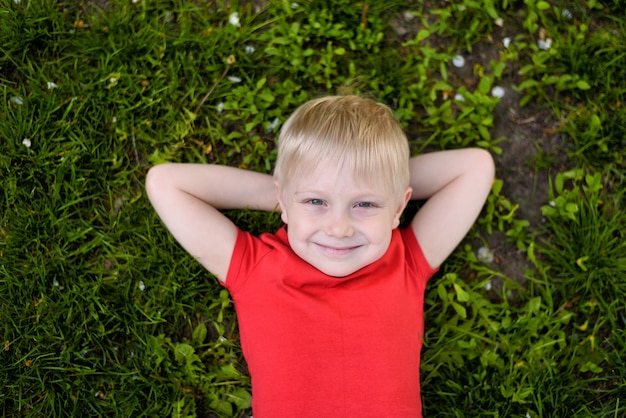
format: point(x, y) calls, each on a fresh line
point(103, 314)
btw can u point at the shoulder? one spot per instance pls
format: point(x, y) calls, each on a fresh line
point(250, 250)
point(413, 251)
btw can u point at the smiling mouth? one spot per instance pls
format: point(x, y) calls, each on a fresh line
point(337, 251)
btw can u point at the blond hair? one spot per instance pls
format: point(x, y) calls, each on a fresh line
point(347, 131)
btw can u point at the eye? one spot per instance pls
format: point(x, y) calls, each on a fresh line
point(315, 202)
point(365, 205)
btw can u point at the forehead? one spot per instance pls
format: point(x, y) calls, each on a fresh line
point(329, 177)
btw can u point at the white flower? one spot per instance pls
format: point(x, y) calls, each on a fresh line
point(56, 283)
point(459, 97)
point(113, 80)
point(26, 142)
point(295, 5)
point(169, 17)
point(506, 42)
point(458, 61)
point(233, 19)
point(567, 14)
point(544, 44)
point(16, 1)
point(272, 125)
point(114, 120)
point(499, 22)
point(234, 79)
point(498, 92)
point(220, 107)
point(485, 255)
point(142, 286)
point(51, 85)
point(17, 100)
point(249, 49)
point(488, 285)
point(552, 203)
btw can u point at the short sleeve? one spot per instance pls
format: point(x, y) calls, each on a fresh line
point(242, 261)
point(249, 252)
point(415, 256)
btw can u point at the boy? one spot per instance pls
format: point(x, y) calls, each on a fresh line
point(330, 307)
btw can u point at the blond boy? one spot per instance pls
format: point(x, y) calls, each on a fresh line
point(330, 307)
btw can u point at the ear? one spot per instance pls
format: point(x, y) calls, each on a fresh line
point(281, 204)
point(403, 202)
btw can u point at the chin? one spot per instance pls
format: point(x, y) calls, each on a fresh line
point(338, 271)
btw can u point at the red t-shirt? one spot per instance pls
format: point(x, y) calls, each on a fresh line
point(321, 346)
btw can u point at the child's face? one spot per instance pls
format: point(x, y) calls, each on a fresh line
point(336, 223)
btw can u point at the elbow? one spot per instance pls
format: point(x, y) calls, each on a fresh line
point(483, 170)
point(484, 163)
point(157, 179)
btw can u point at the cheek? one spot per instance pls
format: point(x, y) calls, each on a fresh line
point(384, 237)
point(378, 231)
point(385, 230)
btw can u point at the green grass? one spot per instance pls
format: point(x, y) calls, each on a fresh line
point(103, 314)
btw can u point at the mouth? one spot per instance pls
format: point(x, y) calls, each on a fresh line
point(337, 251)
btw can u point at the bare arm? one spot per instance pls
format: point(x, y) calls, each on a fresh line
point(456, 184)
point(188, 197)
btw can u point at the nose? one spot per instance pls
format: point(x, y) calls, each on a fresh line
point(339, 225)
